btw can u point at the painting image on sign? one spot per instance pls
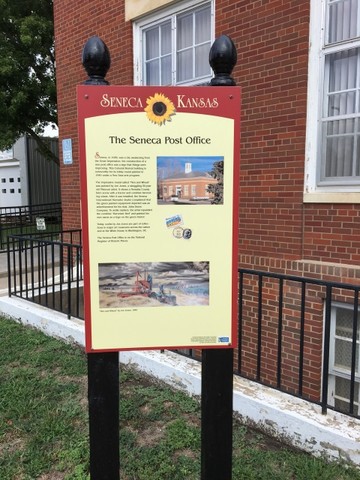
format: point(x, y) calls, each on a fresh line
point(153, 284)
point(190, 180)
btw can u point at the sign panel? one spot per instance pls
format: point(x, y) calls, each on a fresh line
point(159, 189)
point(40, 223)
point(67, 151)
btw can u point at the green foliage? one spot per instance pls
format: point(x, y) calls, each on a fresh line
point(217, 189)
point(42, 417)
point(27, 69)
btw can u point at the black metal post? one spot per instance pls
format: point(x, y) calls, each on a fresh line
point(326, 361)
point(217, 364)
point(103, 394)
point(103, 368)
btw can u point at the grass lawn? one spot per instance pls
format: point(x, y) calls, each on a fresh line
point(44, 431)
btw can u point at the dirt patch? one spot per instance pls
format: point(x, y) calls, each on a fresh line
point(150, 435)
point(11, 443)
point(185, 453)
point(52, 476)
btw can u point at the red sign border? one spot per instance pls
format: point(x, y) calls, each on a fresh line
point(89, 105)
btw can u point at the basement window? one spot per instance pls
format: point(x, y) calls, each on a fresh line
point(344, 356)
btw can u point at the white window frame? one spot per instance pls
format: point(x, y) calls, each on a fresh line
point(314, 190)
point(160, 16)
point(335, 371)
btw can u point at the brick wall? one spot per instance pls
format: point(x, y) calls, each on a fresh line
point(277, 231)
point(75, 23)
point(272, 42)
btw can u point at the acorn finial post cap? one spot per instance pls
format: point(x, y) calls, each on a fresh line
point(96, 60)
point(222, 59)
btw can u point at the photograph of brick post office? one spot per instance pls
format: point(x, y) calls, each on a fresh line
point(190, 180)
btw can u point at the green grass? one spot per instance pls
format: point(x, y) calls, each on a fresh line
point(44, 431)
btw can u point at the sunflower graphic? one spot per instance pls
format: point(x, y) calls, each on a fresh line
point(159, 108)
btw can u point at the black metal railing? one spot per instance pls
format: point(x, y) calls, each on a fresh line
point(47, 271)
point(286, 340)
point(27, 219)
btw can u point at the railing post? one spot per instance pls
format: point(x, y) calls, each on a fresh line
point(9, 264)
point(217, 364)
point(103, 368)
point(325, 371)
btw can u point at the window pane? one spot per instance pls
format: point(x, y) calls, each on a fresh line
point(184, 31)
point(342, 69)
point(342, 104)
point(342, 20)
point(342, 354)
point(202, 26)
point(152, 73)
point(342, 395)
point(166, 70)
point(189, 67)
point(202, 66)
point(339, 148)
point(166, 38)
point(152, 43)
point(339, 157)
point(340, 127)
point(343, 74)
point(344, 323)
point(184, 66)
point(343, 339)
point(158, 55)
point(358, 152)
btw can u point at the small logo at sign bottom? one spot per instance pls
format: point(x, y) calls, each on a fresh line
point(223, 339)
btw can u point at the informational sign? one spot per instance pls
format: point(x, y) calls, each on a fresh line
point(40, 223)
point(67, 151)
point(159, 190)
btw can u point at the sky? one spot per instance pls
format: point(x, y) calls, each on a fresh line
point(198, 163)
point(167, 269)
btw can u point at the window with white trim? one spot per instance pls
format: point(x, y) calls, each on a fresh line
point(171, 47)
point(341, 353)
point(333, 134)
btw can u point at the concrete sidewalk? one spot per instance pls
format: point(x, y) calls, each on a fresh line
point(3, 273)
point(4, 266)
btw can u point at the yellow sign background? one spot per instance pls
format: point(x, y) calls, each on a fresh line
point(211, 240)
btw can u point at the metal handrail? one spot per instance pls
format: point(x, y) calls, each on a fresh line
point(47, 271)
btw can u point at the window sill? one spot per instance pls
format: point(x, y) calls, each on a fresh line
point(332, 197)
